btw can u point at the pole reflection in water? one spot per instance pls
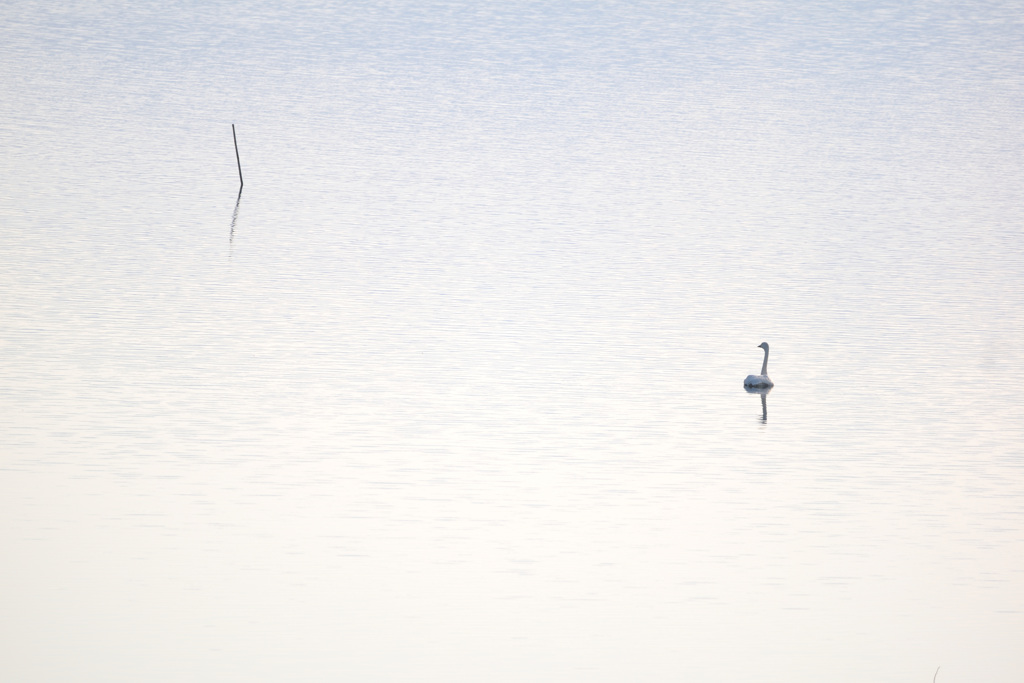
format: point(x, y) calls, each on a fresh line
point(234, 217)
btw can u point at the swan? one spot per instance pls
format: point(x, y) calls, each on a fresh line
point(762, 379)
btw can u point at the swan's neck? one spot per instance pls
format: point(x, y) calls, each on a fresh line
point(764, 365)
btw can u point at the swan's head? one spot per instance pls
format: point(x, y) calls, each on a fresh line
point(763, 345)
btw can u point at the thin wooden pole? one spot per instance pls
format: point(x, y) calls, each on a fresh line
point(241, 183)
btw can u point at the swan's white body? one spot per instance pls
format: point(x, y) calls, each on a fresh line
point(760, 381)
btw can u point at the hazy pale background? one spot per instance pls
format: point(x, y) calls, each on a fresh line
point(453, 391)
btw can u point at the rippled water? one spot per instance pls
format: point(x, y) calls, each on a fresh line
point(453, 390)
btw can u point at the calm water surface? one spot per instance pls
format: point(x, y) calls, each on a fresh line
point(453, 390)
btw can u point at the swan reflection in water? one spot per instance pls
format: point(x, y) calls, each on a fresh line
point(764, 391)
